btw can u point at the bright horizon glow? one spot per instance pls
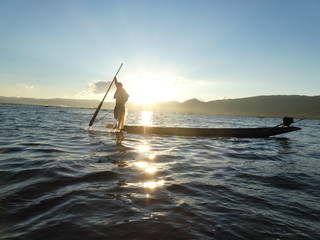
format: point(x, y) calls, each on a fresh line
point(151, 88)
point(170, 50)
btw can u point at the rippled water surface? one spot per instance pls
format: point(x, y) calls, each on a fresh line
point(61, 180)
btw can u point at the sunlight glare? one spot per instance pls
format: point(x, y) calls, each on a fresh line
point(151, 88)
point(151, 170)
point(146, 118)
point(144, 148)
point(153, 184)
point(145, 165)
point(141, 164)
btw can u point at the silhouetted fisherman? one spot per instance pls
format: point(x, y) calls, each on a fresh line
point(121, 97)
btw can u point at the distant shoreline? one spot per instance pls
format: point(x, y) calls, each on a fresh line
point(276, 106)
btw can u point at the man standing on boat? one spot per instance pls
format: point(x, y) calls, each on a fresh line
point(121, 97)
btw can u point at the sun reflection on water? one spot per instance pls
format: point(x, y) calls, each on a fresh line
point(151, 179)
point(146, 118)
point(141, 164)
point(153, 184)
point(144, 148)
point(146, 166)
point(151, 170)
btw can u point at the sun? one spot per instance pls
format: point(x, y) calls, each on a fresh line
point(151, 88)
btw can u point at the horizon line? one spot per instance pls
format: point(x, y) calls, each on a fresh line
point(84, 99)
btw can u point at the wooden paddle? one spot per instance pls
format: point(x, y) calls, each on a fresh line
point(100, 105)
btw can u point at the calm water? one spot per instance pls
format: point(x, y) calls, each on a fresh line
point(58, 180)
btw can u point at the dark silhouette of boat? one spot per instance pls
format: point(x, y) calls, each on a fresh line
point(261, 132)
point(211, 132)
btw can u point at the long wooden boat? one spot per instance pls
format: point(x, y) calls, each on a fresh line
point(211, 132)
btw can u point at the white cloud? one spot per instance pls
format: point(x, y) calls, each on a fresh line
point(98, 87)
point(95, 90)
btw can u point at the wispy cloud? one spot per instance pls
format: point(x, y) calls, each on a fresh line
point(25, 86)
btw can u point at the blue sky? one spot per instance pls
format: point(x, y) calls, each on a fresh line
point(171, 49)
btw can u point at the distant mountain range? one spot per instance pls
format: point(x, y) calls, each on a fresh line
point(260, 106)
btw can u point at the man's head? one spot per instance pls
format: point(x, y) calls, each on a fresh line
point(119, 85)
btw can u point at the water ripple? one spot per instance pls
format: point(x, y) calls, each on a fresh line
point(61, 181)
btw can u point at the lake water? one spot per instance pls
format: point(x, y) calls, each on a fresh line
point(60, 180)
